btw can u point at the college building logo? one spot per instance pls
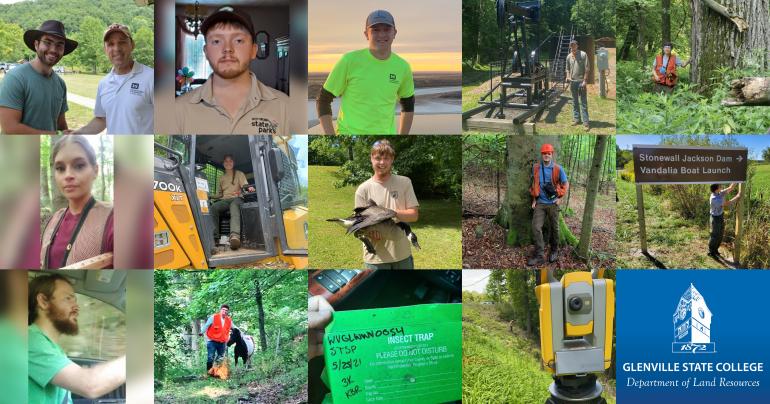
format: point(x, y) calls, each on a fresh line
point(692, 324)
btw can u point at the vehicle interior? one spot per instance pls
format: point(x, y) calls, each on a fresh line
point(369, 289)
point(101, 296)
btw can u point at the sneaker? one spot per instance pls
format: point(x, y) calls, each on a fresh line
point(235, 241)
point(538, 259)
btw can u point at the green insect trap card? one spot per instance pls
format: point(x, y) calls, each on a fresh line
point(410, 354)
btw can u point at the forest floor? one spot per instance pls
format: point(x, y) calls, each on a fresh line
point(243, 386)
point(557, 119)
point(484, 240)
point(500, 364)
point(672, 240)
point(438, 230)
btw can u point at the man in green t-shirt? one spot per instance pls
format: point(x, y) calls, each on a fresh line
point(370, 81)
point(33, 98)
point(53, 312)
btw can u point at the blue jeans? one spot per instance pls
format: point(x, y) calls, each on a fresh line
point(574, 86)
point(215, 350)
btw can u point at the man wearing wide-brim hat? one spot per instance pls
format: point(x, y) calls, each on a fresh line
point(33, 98)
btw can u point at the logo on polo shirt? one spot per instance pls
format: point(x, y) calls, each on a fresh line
point(135, 90)
point(264, 126)
point(394, 194)
point(392, 77)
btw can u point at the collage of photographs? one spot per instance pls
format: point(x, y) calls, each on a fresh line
point(402, 201)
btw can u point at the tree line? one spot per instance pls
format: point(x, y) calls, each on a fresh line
point(431, 162)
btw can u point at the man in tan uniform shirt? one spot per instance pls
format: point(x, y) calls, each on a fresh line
point(394, 251)
point(232, 101)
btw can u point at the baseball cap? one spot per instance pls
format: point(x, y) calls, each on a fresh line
point(380, 17)
point(115, 27)
point(228, 13)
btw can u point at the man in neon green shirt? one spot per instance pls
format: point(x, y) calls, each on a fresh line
point(370, 81)
point(53, 312)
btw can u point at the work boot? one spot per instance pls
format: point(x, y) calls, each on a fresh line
point(587, 126)
point(235, 241)
point(575, 123)
point(554, 255)
point(537, 259)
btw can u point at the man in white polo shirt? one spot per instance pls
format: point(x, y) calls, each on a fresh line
point(124, 98)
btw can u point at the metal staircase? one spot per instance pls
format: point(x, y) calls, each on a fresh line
point(559, 67)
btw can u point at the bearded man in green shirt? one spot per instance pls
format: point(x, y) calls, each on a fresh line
point(53, 312)
point(370, 81)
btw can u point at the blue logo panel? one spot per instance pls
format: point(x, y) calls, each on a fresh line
point(693, 336)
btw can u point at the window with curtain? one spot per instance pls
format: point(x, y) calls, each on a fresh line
point(194, 57)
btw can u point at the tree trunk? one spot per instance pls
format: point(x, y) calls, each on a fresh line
point(749, 91)
point(477, 59)
point(719, 41)
point(58, 199)
point(101, 167)
point(640, 51)
point(665, 9)
point(625, 51)
point(592, 187)
point(515, 213)
point(261, 315)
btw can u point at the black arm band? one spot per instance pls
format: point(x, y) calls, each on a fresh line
point(324, 103)
point(407, 104)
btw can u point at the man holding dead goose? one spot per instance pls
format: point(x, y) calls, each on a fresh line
point(392, 247)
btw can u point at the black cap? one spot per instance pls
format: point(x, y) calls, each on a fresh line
point(225, 14)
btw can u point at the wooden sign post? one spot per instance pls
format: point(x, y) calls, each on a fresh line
point(661, 164)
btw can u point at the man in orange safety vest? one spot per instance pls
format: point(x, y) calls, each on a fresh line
point(549, 184)
point(217, 332)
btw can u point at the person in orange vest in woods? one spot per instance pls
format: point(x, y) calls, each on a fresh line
point(664, 69)
point(217, 332)
point(549, 185)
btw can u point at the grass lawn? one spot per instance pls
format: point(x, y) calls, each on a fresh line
point(438, 230)
point(500, 365)
point(674, 241)
point(82, 84)
point(78, 115)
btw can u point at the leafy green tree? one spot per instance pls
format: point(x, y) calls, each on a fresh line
point(766, 154)
point(90, 51)
point(11, 42)
point(144, 52)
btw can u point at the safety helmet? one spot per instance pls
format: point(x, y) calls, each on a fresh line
point(546, 148)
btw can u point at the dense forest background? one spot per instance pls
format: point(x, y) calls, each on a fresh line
point(270, 305)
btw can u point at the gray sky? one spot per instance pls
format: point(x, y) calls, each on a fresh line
point(475, 280)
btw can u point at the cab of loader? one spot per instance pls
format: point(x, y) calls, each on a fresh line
point(273, 216)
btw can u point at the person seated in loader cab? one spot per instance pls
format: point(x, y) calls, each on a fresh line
point(229, 195)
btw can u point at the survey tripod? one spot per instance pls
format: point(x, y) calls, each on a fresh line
point(576, 324)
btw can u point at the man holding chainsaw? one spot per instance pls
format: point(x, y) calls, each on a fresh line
point(664, 69)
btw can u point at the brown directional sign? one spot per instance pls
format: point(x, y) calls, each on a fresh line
point(658, 164)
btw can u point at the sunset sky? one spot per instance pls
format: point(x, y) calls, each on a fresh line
point(429, 32)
